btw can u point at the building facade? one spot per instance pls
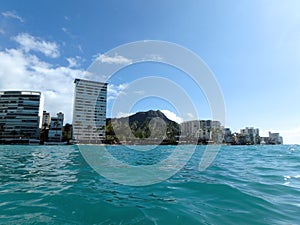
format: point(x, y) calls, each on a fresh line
point(56, 128)
point(20, 116)
point(227, 136)
point(203, 130)
point(275, 139)
point(249, 135)
point(89, 111)
point(46, 119)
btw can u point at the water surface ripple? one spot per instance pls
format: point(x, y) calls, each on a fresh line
point(244, 185)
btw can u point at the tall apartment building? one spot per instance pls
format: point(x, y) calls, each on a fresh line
point(20, 115)
point(89, 111)
point(204, 130)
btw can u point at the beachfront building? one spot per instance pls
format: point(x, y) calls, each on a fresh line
point(203, 130)
point(89, 111)
point(275, 139)
point(20, 116)
point(190, 129)
point(227, 136)
point(56, 128)
point(249, 135)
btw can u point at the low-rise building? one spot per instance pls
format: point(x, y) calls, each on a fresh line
point(227, 135)
point(275, 139)
point(46, 119)
point(56, 128)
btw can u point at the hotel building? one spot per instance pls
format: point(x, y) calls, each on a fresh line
point(20, 115)
point(203, 130)
point(89, 111)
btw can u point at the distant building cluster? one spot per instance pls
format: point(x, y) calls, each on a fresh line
point(52, 128)
point(23, 121)
point(204, 131)
point(209, 131)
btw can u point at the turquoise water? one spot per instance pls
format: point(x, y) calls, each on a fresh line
point(244, 185)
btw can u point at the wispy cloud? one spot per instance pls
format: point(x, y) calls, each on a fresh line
point(113, 91)
point(31, 43)
point(80, 48)
point(190, 115)
point(154, 57)
point(13, 15)
point(117, 59)
point(68, 32)
point(74, 62)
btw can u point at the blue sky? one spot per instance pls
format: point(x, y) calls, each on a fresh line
point(252, 47)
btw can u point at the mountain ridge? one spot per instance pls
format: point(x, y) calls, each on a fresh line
point(145, 126)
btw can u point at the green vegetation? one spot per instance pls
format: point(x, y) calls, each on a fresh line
point(142, 127)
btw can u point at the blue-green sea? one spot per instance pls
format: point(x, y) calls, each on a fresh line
point(244, 185)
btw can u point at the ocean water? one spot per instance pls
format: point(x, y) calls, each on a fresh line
point(244, 185)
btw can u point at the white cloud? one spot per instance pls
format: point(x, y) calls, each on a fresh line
point(74, 61)
point(29, 43)
point(117, 59)
point(13, 15)
point(140, 92)
point(2, 31)
point(113, 91)
point(122, 114)
point(172, 116)
point(154, 57)
point(66, 31)
point(190, 115)
point(21, 70)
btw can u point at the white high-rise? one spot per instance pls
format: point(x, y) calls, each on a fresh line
point(89, 111)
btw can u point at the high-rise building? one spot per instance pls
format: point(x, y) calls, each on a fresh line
point(20, 115)
point(204, 130)
point(89, 111)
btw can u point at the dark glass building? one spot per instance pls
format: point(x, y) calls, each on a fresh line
point(20, 116)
